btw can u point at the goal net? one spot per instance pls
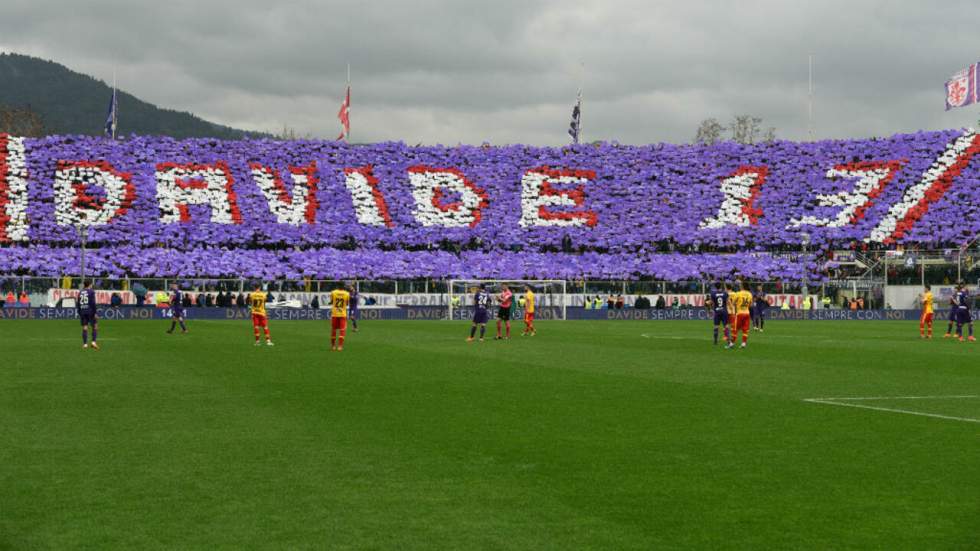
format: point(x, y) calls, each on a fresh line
point(550, 299)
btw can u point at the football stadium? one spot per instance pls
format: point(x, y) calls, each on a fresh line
point(263, 341)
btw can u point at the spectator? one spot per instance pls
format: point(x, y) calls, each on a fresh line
point(199, 300)
point(209, 300)
point(641, 303)
point(115, 300)
point(185, 300)
point(676, 305)
point(11, 300)
point(661, 302)
point(315, 303)
point(25, 301)
point(271, 298)
point(620, 302)
point(140, 293)
point(220, 300)
point(610, 302)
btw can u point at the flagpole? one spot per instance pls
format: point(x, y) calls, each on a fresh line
point(809, 127)
point(115, 105)
point(581, 85)
point(348, 103)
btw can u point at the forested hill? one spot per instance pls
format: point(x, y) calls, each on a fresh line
point(72, 103)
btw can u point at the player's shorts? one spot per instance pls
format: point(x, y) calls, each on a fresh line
point(528, 317)
point(176, 313)
point(926, 318)
point(503, 313)
point(338, 323)
point(258, 320)
point(480, 316)
point(952, 313)
point(721, 318)
point(87, 319)
point(352, 313)
point(742, 322)
point(963, 315)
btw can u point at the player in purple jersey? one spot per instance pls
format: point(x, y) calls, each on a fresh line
point(952, 316)
point(86, 313)
point(176, 309)
point(761, 305)
point(481, 313)
point(963, 316)
point(718, 301)
point(352, 306)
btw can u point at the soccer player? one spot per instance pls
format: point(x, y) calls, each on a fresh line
point(86, 313)
point(926, 319)
point(481, 312)
point(963, 316)
point(505, 299)
point(952, 315)
point(352, 310)
point(731, 316)
point(761, 305)
point(718, 301)
point(529, 312)
point(256, 303)
point(742, 300)
point(339, 302)
point(176, 309)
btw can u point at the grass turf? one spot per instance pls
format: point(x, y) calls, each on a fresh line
point(602, 435)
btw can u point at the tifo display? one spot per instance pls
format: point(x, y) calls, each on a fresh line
point(159, 207)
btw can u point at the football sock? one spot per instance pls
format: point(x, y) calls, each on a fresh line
point(508, 329)
point(267, 337)
point(84, 336)
point(172, 325)
point(971, 330)
point(95, 333)
point(333, 337)
point(716, 334)
point(483, 330)
point(183, 326)
point(472, 331)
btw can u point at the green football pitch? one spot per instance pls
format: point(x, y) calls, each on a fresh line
point(592, 435)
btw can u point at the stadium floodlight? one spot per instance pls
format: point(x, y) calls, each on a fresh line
point(551, 301)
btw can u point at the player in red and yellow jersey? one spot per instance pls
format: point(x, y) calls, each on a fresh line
point(528, 312)
point(926, 319)
point(731, 318)
point(256, 303)
point(339, 301)
point(742, 301)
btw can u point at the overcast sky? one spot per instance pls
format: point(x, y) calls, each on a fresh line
point(507, 71)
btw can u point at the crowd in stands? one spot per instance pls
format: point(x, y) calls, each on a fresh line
point(616, 212)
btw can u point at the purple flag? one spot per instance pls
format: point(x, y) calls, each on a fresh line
point(961, 88)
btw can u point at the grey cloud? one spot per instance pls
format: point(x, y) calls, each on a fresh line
point(507, 71)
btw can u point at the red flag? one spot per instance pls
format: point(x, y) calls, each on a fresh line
point(344, 116)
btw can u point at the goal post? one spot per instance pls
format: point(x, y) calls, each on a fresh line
point(551, 298)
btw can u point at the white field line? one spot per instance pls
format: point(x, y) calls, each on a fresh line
point(838, 402)
point(896, 397)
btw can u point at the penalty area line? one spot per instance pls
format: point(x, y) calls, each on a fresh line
point(837, 402)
